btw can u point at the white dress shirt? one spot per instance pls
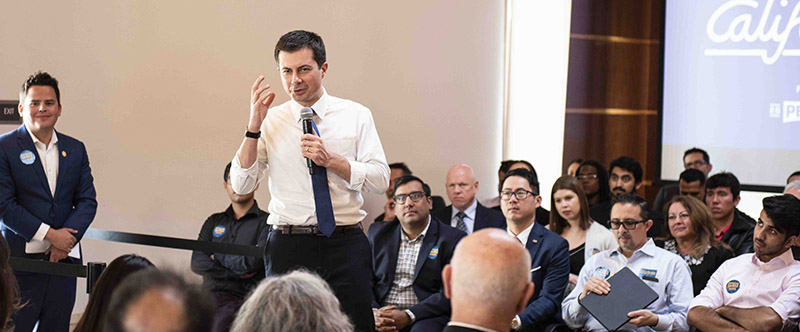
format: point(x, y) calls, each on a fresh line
point(347, 129)
point(673, 286)
point(48, 155)
point(469, 220)
point(522, 236)
point(747, 282)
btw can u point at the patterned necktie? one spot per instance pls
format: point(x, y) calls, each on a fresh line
point(460, 224)
point(322, 197)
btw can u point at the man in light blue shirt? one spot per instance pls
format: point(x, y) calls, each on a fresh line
point(666, 273)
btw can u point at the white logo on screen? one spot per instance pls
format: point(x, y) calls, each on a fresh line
point(767, 29)
point(790, 111)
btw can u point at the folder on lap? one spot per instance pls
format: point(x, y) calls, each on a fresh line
point(628, 293)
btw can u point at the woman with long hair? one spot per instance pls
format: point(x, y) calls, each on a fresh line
point(594, 179)
point(690, 234)
point(569, 217)
point(111, 277)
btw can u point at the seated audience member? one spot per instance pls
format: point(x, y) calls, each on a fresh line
point(396, 171)
point(231, 277)
point(494, 202)
point(793, 188)
point(487, 282)
point(625, 177)
point(542, 214)
point(9, 291)
point(690, 234)
point(549, 252)
point(694, 158)
point(466, 214)
point(671, 278)
point(298, 301)
point(793, 177)
point(594, 178)
point(572, 222)
point(572, 167)
point(408, 256)
point(159, 301)
point(756, 292)
point(730, 225)
point(109, 280)
point(692, 183)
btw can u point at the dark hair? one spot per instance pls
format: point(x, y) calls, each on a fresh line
point(797, 173)
point(725, 180)
point(40, 78)
point(701, 222)
point(578, 161)
point(533, 181)
point(296, 40)
point(115, 272)
point(409, 178)
point(557, 222)
point(691, 175)
point(225, 176)
point(784, 210)
point(602, 177)
point(401, 166)
point(629, 164)
point(697, 150)
point(633, 199)
point(512, 162)
point(198, 305)
point(9, 291)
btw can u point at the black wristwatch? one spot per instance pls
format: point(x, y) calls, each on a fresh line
point(251, 134)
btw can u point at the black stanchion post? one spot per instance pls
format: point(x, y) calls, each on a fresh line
point(94, 269)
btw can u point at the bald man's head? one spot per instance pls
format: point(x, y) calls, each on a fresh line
point(793, 188)
point(489, 269)
point(461, 186)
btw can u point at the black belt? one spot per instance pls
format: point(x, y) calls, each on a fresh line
point(310, 230)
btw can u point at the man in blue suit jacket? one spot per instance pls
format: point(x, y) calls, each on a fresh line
point(408, 256)
point(466, 214)
point(47, 201)
point(549, 252)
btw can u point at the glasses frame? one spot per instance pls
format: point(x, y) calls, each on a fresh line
point(401, 198)
point(506, 196)
point(625, 223)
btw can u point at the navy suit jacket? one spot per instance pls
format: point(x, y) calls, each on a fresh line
point(437, 249)
point(550, 258)
point(25, 198)
point(484, 217)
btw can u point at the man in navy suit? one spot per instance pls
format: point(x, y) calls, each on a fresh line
point(47, 201)
point(466, 214)
point(519, 198)
point(408, 256)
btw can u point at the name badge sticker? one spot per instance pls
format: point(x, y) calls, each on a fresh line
point(219, 231)
point(27, 157)
point(648, 274)
point(732, 286)
point(602, 272)
point(434, 252)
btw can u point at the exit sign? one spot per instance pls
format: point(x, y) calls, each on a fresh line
point(9, 114)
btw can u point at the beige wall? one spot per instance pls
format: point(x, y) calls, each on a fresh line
point(158, 91)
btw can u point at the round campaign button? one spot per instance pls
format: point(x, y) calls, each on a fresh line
point(219, 231)
point(27, 157)
point(602, 272)
point(732, 286)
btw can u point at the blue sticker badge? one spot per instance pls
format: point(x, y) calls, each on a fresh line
point(434, 252)
point(27, 157)
point(602, 272)
point(647, 274)
point(219, 231)
point(593, 252)
point(732, 286)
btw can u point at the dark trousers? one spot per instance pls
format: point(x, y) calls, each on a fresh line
point(49, 302)
point(227, 306)
point(344, 260)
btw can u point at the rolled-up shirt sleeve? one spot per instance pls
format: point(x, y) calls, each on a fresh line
point(244, 180)
point(370, 171)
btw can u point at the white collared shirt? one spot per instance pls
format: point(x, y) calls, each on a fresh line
point(48, 155)
point(346, 128)
point(522, 236)
point(747, 282)
point(469, 220)
point(668, 276)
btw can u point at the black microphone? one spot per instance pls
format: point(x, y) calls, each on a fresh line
point(306, 113)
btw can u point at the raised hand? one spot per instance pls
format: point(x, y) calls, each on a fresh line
point(260, 100)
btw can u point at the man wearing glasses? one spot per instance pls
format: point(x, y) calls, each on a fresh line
point(519, 198)
point(694, 158)
point(408, 255)
point(666, 273)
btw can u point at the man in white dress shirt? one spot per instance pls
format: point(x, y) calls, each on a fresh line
point(315, 219)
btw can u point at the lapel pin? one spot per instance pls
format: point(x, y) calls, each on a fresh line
point(63, 153)
point(535, 241)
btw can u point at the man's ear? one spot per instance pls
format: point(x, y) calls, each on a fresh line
point(638, 185)
point(447, 273)
point(648, 224)
point(526, 295)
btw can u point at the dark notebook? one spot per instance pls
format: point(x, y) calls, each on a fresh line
point(628, 293)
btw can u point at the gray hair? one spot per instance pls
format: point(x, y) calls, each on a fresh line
point(792, 185)
point(299, 301)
